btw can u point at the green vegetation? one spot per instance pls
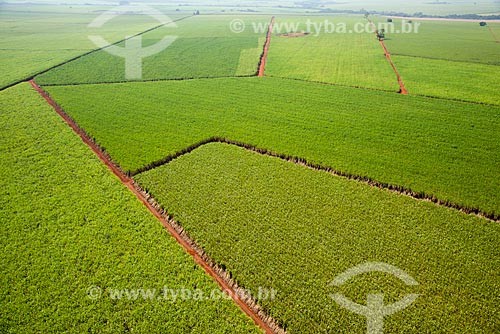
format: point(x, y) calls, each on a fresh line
point(459, 41)
point(275, 224)
point(341, 57)
point(34, 38)
point(418, 6)
point(447, 79)
point(204, 47)
point(444, 148)
point(67, 224)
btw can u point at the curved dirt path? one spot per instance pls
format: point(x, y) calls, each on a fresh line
point(402, 88)
point(263, 58)
point(246, 304)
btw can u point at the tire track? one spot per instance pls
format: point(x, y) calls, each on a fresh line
point(222, 277)
point(402, 88)
point(263, 58)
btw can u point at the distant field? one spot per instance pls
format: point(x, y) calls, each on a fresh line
point(34, 38)
point(205, 47)
point(426, 6)
point(349, 59)
point(275, 224)
point(457, 80)
point(67, 224)
point(444, 148)
point(460, 41)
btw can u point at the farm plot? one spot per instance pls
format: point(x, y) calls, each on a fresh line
point(339, 57)
point(458, 41)
point(34, 38)
point(70, 231)
point(204, 46)
point(283, 226)
point(450, 79)
point(425, 6)
point(447, 149)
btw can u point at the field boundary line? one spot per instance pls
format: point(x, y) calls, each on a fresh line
point(444, 59)
point(31, 77)
point(241, 298)
point(263, 57)
point(401, 190)
point(456, 100)
point(402, 88)
point(494, 35)
point(147, 80)
point(333, 84)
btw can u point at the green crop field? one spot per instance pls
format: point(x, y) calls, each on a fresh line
point(204, 47)
point(459, 41)
point(443, 148)
point(416, 6)
point(325, 55)
point(67, 224)
point(449, 79)
point(285, 185)
point(34, 38)
point(271, 222)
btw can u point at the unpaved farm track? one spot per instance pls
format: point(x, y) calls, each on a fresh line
point(402, 88)
point(223, 279)
point(263, 57)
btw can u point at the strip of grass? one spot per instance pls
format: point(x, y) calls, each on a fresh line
point(340, 57)
point(447, 149)
point(67, 224)
point(448, 79)
point(204, 47)
point(276, 224)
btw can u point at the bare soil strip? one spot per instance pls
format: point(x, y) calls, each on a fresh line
point(493, 34)
point(263, 57)
point(303, 162)
point(402, 88)
point(223, 279)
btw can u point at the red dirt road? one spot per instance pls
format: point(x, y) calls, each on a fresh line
point(263, 58)
point(248, 307)
point(402, 88)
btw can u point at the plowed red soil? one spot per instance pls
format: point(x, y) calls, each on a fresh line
point(263, 59)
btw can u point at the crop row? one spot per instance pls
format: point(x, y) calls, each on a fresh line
point(71, 234)
point(446, 149)
point(276, 224)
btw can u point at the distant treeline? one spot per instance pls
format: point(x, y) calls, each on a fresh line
point(417, 15)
